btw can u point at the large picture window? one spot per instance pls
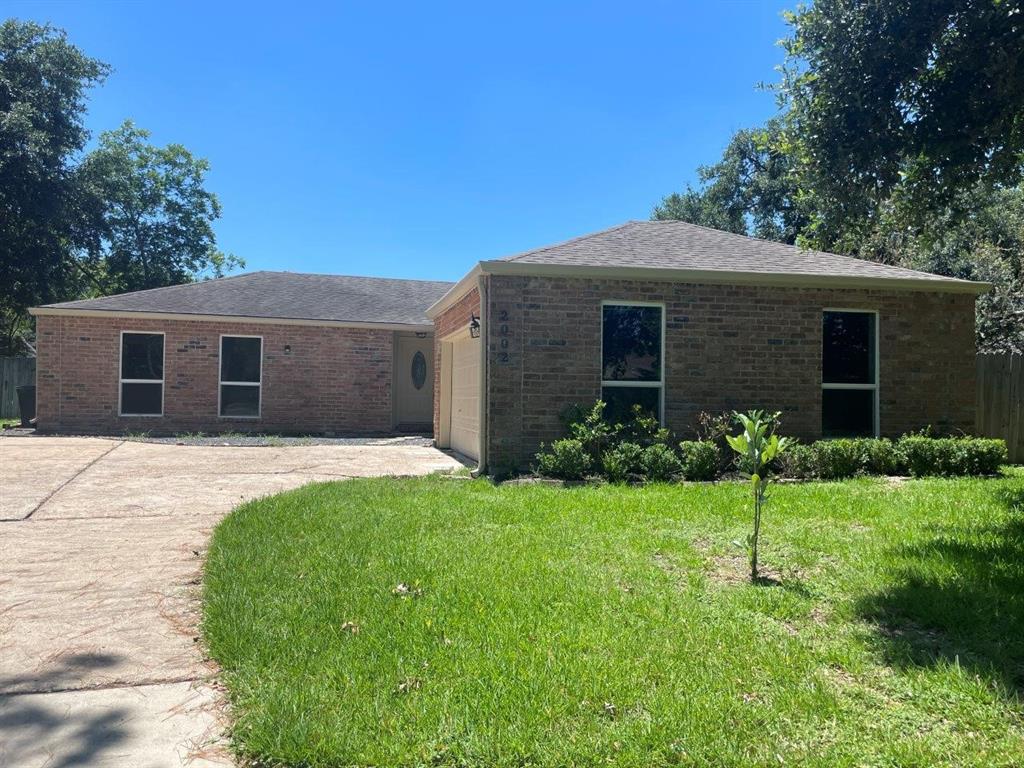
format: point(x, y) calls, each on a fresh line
point(632, 369)
point(849, 374)
point(141, 374)
point(241, 371)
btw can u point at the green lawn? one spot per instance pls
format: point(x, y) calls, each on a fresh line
point(612, 626)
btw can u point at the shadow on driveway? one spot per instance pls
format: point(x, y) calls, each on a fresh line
point(35, 726)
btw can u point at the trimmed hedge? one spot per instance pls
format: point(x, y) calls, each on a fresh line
point(638, 449)
point(952, 456)
point(915, 455)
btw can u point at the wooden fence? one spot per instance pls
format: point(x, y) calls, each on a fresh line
point(14, 372)
point(1000, 403)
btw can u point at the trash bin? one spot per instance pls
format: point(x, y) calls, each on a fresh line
point(27, 404)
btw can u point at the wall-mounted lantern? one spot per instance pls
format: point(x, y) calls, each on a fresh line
point(474, 327)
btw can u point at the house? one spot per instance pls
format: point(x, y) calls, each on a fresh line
point(674, 317)
point(263, 352)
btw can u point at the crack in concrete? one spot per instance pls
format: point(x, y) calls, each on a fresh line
point(106, 686)
point(62, 486)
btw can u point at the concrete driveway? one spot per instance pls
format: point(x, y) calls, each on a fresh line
point(101, 544)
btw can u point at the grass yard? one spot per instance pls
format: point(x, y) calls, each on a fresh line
point(540, 626)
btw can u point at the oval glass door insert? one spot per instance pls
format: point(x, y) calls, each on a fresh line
point(419, 370)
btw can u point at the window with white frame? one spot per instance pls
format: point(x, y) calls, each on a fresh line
point(141, 374)
point(241, 371)
point(849, 373)
point(632, 351)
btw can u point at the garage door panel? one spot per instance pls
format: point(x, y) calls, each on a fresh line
point(465, 400)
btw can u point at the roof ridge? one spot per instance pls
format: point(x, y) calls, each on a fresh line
point(354, 277)
point(800, 249)
point(571, 240)
point(164, 287)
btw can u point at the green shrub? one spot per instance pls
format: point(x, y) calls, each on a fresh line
point(643, 429)
point(699, 459)
point(566, 460)
point(622, 461)
point(590, 428)
point(880, 457)
point(660, 463)
point(798, 461)
point(836, 459)
point(951, 456)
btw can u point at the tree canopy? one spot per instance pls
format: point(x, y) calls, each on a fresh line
point(125, 216)
point(900, 138)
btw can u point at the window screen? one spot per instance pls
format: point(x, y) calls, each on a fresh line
point(240, 373)
point(849, 374)
point(631, 364)
point(142, 374)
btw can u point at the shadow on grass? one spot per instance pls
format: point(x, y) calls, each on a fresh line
point(958, 597)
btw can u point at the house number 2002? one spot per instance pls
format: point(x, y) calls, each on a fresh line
point(503, 338)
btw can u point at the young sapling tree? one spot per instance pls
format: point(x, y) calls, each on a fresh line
point(756, 445)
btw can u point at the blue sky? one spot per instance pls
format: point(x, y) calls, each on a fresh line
point(412, 140)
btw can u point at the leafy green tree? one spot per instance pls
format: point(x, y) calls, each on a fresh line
point(43, 83)
point(907, 100)
point(900, 140)
point(979, 236)
point(152, 212)
point(752, 190)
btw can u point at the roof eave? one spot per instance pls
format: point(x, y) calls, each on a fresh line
point(135, 314)
point(730, 277)
point(456, 292)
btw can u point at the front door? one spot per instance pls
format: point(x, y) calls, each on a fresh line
point(414, 383)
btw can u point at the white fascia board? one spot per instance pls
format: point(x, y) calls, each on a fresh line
point(137, 315)
point(456, 292)
point(726, 277)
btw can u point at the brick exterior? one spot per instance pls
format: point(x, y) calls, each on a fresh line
point(333, 380)
point(452, 319)
point(726, 347)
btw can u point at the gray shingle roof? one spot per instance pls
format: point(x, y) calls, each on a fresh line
point(284, 295)
point(679, 245)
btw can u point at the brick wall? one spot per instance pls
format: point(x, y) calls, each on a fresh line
point(332, 380)
point(455, 318)
point(727, 347)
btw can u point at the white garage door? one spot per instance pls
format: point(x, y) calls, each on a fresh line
point(465, 425)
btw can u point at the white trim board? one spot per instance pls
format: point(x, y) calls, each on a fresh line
point(705, 276)
point(137, 315)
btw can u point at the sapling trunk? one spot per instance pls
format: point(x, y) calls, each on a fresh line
point(757, 530)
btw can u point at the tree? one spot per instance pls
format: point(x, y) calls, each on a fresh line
point(915, 101)
point(43, 81)
point(750, 191)
point(152, 213)
point(900, 139)
point(125, 217)
point(979, 236)
point(757, 446)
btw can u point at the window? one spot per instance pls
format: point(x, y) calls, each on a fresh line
point(141, 374)
point(241, 368)
point(849, 374)
point(632, 337)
